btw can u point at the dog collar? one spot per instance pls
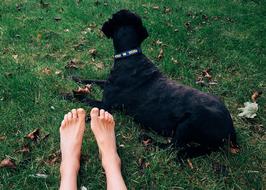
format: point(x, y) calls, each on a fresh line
point(128, 53)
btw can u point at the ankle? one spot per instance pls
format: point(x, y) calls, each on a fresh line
point(111, 161)
point(69, 166)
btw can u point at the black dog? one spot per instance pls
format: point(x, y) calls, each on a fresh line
point(137, 86)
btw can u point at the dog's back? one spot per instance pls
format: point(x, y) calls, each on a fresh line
point(172, 109)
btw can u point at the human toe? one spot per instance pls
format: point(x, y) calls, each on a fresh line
point(94, 112)
point(81, 113)
point(74, 113)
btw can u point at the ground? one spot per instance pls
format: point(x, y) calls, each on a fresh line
point(39, 38)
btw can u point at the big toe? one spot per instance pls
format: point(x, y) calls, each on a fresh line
point(81, 114)
point(94, 112)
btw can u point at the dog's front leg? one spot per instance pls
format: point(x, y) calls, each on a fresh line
point(100, 83)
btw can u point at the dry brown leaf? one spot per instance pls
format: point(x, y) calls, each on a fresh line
point(73, 64)
point(54, 158)
point(143, 164)
point(84, 90)
point(34, 135)
point(93, 52)
point(24, 149)
point(200, 81)
point(190, 164)
point(206, 74)
point(160, 56)
point(46, 71)
point(2, 138)
point(256, 95)
point(7, 163)
point(15, 56)
point(146, 142)
point(99, 65)
point(234, 149)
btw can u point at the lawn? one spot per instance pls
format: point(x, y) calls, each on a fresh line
point(39, 38)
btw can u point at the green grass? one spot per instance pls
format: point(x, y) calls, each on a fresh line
point(231, 41)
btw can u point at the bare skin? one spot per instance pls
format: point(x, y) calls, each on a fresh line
point(103, 125)
point(71, 135)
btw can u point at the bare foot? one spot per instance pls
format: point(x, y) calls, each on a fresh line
point(102, 125)
point(71, 134)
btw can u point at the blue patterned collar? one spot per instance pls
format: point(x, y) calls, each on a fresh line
point(128, 53)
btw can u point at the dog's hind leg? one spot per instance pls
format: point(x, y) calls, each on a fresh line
point(100, 83)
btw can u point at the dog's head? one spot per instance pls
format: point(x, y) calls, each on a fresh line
point(125, 18)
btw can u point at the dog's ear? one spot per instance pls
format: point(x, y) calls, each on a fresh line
point(122, 18)
point(108, 28)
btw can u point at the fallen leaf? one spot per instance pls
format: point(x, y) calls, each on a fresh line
point(73, 64)
point(54, 158)
point(143, 164)
point(160, 56)
point(206, 74)
point(234, 150)
point(93, 52)
point(256, 95)
point(15, 56)
point(190, 164)
point(146, 142)
point(7, 163)
point(83, 90)
point(2, 138)
point(99, 65)
point(34, 135)
point(200, 81)
point(25, 149)
point(46, 71)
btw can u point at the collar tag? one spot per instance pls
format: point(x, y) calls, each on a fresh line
point(128, 53)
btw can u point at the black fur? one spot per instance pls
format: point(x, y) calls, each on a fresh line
point(137, 86)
